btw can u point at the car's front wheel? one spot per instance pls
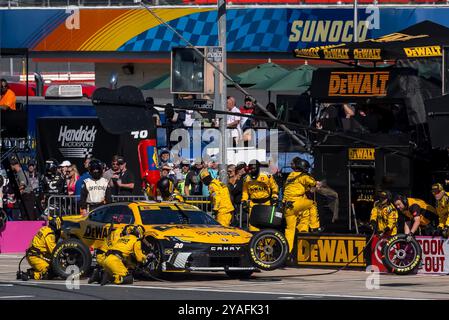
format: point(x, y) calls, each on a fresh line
point(71, 258)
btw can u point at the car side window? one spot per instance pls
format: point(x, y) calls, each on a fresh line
point(121, 214)
point(97, 215)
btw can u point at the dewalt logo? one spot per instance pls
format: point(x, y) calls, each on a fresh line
point(359, 84)
point(361, 153)
point(429, 51)
point(331, 251)
point(367, 54)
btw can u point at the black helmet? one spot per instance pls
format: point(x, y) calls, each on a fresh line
point(300, 164)
point(96, 169)
point(51, 166)
point(137, 231)
point(165, 186)
point(254, 168)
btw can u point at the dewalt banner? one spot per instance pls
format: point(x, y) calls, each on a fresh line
point(335, 250)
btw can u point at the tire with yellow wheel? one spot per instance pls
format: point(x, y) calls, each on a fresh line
point(268, 249)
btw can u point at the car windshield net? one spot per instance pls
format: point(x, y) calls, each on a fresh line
point(170, 216)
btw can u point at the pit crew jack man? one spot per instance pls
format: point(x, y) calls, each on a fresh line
point(417, 214)
point(297, 205)
point(258, 188)
point(95, 190)
point(114, 233)
point(166, 190)
point(41, 249)
point(384, 216)
point(123, 253)
point(221, 199)
point(442, 207)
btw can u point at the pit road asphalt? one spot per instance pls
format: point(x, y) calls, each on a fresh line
point(282, 284)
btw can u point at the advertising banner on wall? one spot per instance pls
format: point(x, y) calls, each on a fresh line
point(249, 29)
point(335, 250)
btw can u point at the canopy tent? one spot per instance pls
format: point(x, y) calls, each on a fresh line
point(298, 80)
point(261, 73)
point(423, 40)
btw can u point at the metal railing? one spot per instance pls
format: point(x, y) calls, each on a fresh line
point(62, 205)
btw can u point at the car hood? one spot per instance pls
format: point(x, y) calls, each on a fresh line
point(199, 234)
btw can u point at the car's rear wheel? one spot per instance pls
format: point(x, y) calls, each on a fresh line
point(268, 249)
point(233, 274)
point(71, 258)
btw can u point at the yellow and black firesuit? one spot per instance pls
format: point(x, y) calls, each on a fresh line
point(384, 216)
point(296, 204)
point(259, 188)
point(124, 253)
point(442, 208)
point(114, 233)
point(221, 198)
point(166, 190)
point(41, 249)
point(411, 208)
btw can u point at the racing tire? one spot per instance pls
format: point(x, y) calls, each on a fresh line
point(68, 254)
point(401, 257)
point(234, 274)
point(153, 269)
point(268, 249)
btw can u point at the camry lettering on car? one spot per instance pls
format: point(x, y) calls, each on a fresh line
point(225, 248)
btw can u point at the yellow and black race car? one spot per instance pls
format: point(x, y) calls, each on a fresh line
point(181, 237)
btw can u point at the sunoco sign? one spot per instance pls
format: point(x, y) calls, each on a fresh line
point(76, 142)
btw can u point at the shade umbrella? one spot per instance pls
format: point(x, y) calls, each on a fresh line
point(163, 82)
point(298, 80)
point(261, 73)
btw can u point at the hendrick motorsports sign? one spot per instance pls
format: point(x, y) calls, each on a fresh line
point(76, 143)
point(73, 139)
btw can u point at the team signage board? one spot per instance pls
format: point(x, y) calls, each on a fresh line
point(336, 250)
point(361, 154)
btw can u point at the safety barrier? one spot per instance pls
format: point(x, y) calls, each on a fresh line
point(62, 205)
point(69, 205)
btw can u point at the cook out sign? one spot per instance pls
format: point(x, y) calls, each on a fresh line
point(435, 255)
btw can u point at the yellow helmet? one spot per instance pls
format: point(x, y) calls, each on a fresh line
point(204, 173)
point(55, 222)
point(437, 188)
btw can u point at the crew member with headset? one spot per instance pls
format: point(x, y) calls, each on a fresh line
point(384, 216)
point(221, 199)
point(41, 249)
point(166, 190)
point(51, 183)
point(258, 188)
point(417, 214)
point(296, 203)
point(95, 190)
point(442, 208)
point(121, 254)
